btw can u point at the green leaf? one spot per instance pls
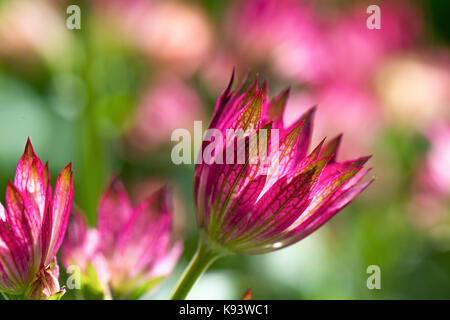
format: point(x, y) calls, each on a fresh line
point(91, 287)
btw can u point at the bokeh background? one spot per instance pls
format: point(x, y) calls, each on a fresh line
point(108, 96)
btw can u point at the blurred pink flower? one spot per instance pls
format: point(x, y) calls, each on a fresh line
point(165, 106)
point(430, 203)
point(414, 89)
point(30, 27)
point(283, 34)
point(32, 228)
point(355, 51)
point(345, 107)
point(173, 34)
point(215, 72)
point(436, 175)
point(131, 248)
point(253, 208)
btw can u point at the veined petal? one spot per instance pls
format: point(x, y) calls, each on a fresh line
point(14, 259)
point(275, 109)
point(331, 148)
point(60, 210)
point(326, 212)
point(248, 119)
point(22, 218)
point(24, 166)
point(322, 195)
point(282, 203)
point(332, 170)
point(36, 187)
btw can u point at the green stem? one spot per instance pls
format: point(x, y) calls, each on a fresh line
point(205, 255)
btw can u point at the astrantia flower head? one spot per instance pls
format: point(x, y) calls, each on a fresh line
point(32, 228)
point(256, 206)
point(131, 249)
point(256, 187)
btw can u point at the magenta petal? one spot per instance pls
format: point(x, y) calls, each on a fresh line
point(276, 107)
point(114, 211)
point(36, 187)
point(331, 148)
point(305, 134)
point(165, 265)
point(145, 239)
point(75, 239)
point(14, 259)
point(327, 212)
point(22, 217)
point(280, 205)
point(24, 166)
point(60, 210)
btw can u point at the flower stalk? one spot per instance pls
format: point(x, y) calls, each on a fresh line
point(205, 255)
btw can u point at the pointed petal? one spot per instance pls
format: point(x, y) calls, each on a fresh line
point(75, 239)
point(24, 165)
point(248, 119)
point(324, 194)
point(114, 211)
point(277, 105)
point(22, 217)
point(328, 211)
point(146, 237)
point(36, 188)
point(331, 148)
point(283, 202)
point(305, 134)
point(14, 259)
point(60, 210)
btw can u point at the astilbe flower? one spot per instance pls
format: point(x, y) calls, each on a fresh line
point(259, 206)
point(32, 228)
point(131, 249)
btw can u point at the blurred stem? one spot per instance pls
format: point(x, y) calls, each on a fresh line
point(205, 255)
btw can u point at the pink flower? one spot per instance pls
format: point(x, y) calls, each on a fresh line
point(429, 205)
point(285, 35)
point(175, 35)
point(437, 166)
point(166, 105)
point(131, 248)
point(355, 51)
point(33, 28)
point(32, 228)
point(345, 107)
point(253, 207)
